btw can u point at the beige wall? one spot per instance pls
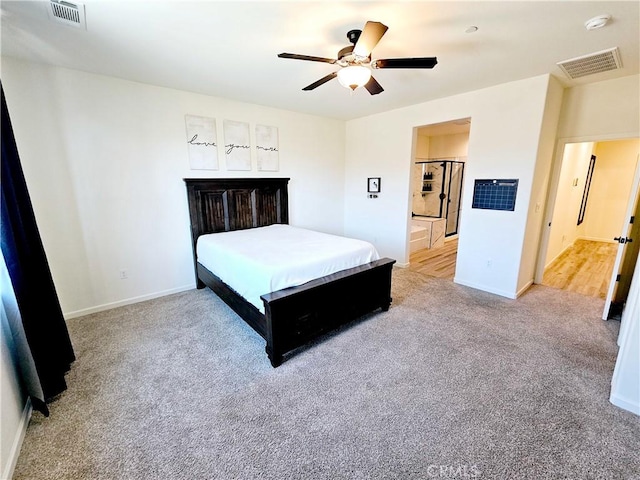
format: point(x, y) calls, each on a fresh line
point(422, 146)
point(564, 227)
point(610, 189)
point(540, 185)
point(607, 110)
point(508, 126)
point(449, 146)
point(602, 110)
point(105, 159)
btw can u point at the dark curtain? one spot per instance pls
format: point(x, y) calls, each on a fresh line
point(44, 326)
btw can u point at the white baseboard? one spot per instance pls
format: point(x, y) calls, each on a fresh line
point(524, 289)
point(626, 404)
point(128, 301)
point(502, 293)
point(17, 442)
point(594, 239)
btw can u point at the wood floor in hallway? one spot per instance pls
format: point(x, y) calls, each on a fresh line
point(585, 267)
point(437, 262)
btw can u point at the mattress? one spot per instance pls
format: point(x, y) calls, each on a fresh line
point(262, 260)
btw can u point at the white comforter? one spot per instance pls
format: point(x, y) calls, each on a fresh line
point(262, 260)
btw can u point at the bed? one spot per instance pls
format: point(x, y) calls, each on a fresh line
point(288, 318)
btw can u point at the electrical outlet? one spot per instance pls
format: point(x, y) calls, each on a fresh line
point(124, 274)
point(489, 263)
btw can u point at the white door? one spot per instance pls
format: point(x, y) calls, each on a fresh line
point(629, 243)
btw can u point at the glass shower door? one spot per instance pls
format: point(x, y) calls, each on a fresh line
point(438, 191)
point(456, 172)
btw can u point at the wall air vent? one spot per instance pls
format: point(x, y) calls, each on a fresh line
point(598, 62)
point(67, 13)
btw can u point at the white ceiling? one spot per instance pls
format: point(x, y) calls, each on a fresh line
point(228, 49)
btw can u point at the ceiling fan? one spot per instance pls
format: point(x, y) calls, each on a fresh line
point(355, 60)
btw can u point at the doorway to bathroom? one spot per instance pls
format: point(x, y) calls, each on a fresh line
point(437, 176)
point(441, 192)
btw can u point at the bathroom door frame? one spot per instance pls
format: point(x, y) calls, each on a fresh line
point(446, 181)
point(449, 198)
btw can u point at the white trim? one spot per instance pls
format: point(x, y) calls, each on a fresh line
point(502, 293)
point(599, 138)
point(525, 288)
point(128, 301)
point(625, 403)
point(594, 239)
point(402, 265)
point(624, 381)
point(625, 231)
point(17, 442)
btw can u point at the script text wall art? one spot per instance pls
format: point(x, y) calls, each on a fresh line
point(202, 142)
point(267, 148)
point(237, 145)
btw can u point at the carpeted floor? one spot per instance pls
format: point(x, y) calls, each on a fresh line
point(451, 382)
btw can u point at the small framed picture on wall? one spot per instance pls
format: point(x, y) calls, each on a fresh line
point(373, 185)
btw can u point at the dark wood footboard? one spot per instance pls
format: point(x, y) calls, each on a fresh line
point(294, 316)
point(297, 315)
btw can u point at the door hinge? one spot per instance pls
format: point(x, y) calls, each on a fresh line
point(633, 217)
point(618, 277)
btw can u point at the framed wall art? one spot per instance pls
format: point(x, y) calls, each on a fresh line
point(267, 153)
point(202, 142)
point(237, 145)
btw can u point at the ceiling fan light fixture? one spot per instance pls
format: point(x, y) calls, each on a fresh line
point(354, 76)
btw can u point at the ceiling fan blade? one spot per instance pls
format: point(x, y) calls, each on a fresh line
point(373, 86)
point(306, 57)
point(323, 80)
point(369, 38)
point(421, 62)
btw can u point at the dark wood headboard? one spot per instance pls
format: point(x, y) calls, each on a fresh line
point(225, 204)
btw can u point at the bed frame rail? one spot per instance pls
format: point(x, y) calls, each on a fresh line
point(293, 316)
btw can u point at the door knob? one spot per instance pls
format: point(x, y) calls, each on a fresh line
point(623, 240)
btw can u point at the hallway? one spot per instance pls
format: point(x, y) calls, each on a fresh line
point(585, 267)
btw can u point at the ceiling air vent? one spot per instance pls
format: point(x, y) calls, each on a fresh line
point(67, 13)
point(593, 63)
